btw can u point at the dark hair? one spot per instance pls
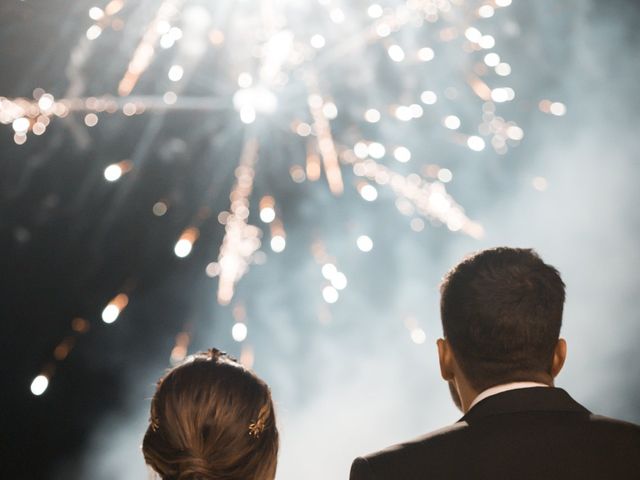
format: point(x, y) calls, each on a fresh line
point(211, 419)
point(501, 311)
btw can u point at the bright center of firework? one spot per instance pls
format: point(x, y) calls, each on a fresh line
point(251, 101)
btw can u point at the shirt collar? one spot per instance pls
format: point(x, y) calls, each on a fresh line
point(503, 388)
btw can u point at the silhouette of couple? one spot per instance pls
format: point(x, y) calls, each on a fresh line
point(501, 313)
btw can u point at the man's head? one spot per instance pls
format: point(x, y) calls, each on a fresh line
point(501, 314)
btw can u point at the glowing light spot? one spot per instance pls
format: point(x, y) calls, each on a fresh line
point(90, 119)
point(558, 109)
point(364, 243)
point(113, 172)
point(239, 331)
point(113, 309)
point(503, 69)
point(492, 59)
point(511, 93)
point(336, 15)
point(473, 34)
point(212, 269)
point(329, 270)
point(96, 13)
point(267, 214)
point(278, 243)
point(402, 154)
point(487, 42)
point(129, 109)
point(170, 98)
point(452, 122)
point(396, 53)
point(39, 385)
point(503, 3)
point(330, 294)
point(163, 27)
point(93, 32)
point(375, 11)
point(369, 192)
point(45, 102)
point(38, 128)
point(80, 325)
point(297, 174)
point(303, 129)
point(416, 110)
point(110, 313)
point(247, 114)
point(426, 54)
point(475, 143)
point(314, 100)
point(376, 150)
point(417, 224)
point(159, 209)
point(500, 95)
point(428, 97)
point(486, 11)
point(176, 33)
point(317, 41)
point(339, 281)
point(183, 248)
point(330, 110)
point(216, 37)
point(361, 150)
point(515, 133)
point(403, 113)
point(372, 115)
point(445, 175)
point(540, 183)
point(245, 80)
point(418, 336)
point(249, 101)
point(167, 41)
point(21, 125)
point(175, 73)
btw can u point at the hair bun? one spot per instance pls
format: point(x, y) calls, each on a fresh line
point(193, 467)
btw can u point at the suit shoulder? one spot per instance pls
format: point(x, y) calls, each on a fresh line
point(614, 424)
point(437, 440)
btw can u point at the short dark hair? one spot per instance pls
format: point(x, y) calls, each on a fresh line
point(501, 311)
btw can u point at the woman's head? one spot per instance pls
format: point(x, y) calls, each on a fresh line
point(212, 419)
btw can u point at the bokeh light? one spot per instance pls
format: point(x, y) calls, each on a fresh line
point(39, 385)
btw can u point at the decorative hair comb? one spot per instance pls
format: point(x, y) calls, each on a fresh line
point(256, 428)
point(153, 419)
point(214, 353)
point(155, 425)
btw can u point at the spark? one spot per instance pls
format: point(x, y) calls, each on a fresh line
point(241, 240)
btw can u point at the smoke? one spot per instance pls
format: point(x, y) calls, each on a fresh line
point(348, 379)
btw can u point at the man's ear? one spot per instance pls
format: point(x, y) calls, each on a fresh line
point(559, 356)
point(445, 358)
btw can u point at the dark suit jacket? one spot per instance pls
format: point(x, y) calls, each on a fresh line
point(529, 433)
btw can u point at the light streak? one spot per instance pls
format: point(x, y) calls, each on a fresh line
point(241, 240)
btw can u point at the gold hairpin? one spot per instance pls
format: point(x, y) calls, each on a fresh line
point(255, 429)
point(155, 425)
